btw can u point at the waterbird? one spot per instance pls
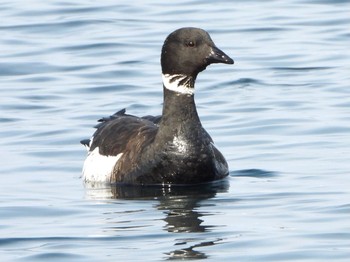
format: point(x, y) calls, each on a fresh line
point(171, 149)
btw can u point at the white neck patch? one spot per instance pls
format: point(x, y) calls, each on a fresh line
point(172, 82)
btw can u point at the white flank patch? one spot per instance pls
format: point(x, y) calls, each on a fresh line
point(98, 168)
point(173, 85)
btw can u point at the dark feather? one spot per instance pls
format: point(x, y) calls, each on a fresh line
point(85, 142)
point(120, 132)
point(154, 119)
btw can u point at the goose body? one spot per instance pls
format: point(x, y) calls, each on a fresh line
point(172, 148)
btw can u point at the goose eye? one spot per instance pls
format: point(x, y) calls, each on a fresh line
point(190, 44)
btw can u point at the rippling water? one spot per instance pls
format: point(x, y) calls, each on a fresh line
point(280, 115)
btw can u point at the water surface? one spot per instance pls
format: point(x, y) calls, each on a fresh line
point(280, 116)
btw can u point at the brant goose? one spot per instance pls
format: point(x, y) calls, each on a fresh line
point(172, 149)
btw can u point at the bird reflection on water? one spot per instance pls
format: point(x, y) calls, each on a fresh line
point(179, 203)
point(181, 207)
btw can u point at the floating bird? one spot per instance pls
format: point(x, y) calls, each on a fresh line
point(171, 149)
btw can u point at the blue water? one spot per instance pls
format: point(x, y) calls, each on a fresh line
point(280, 115)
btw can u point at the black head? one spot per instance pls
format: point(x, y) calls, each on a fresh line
point(189, 51)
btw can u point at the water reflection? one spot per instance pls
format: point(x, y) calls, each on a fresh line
point(189, 252)
point(178, 203)
point(180, 206)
